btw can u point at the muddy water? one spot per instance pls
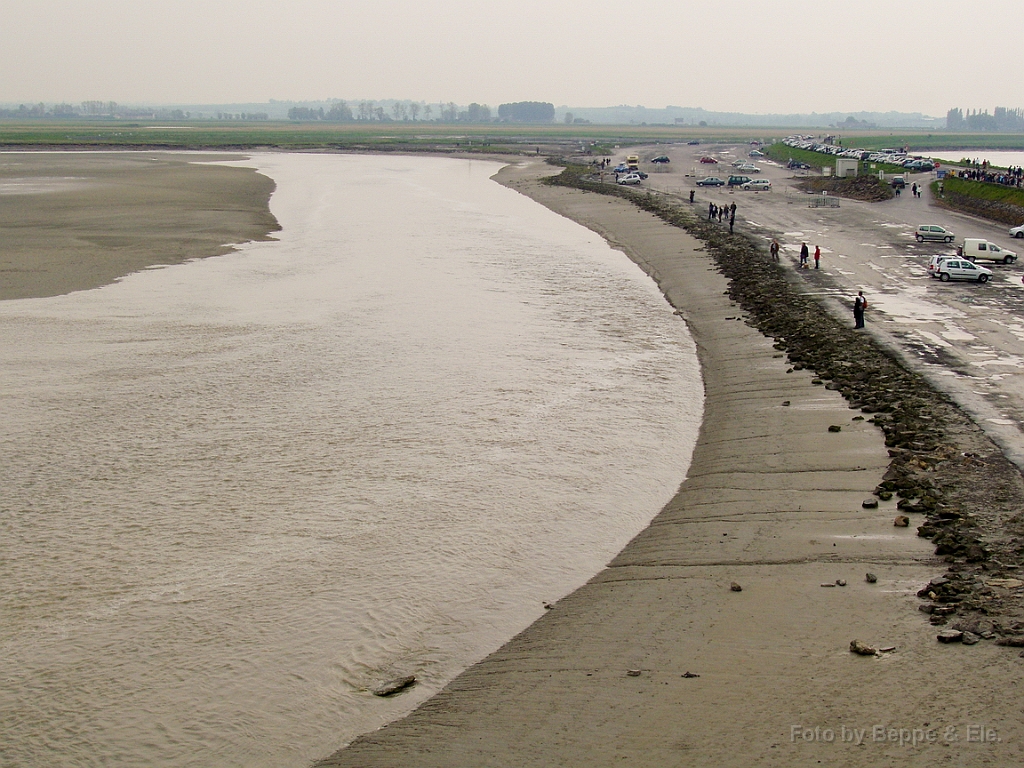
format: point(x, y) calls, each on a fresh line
point(237, 492)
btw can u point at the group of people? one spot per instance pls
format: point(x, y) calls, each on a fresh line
point(1011, 177)
point(721, 213)
point(860, 303)
point(805, 256)
point(915, 189)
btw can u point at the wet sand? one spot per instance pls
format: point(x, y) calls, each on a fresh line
point(657, 661)
point(75, 221)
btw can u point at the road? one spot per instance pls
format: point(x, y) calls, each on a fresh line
point(967, 339)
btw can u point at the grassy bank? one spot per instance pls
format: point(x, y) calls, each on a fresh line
point(979, 198)
point(782, 153)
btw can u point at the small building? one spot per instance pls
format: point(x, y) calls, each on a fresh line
point(846, 166)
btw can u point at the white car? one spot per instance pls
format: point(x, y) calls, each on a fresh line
point(749, 168)
point(630, 178)
point(1017, 232)
point(961, 269)
point(757, 185)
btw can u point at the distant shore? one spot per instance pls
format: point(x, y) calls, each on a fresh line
point(92, 218)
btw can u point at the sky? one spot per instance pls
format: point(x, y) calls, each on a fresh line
point(783, 56)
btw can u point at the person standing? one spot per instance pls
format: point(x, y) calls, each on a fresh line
point(691, 195)
point(773, 249)
point(732, 219)
point(804, 253)
point(817, 255)
point(711, 211)
point(859, 305)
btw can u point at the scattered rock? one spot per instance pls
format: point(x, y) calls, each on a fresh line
point(785, 402)
point(840, 582)
point(735, 587)
point(856, 646)
point(870, 578)
point(633, 672)
point(887, 649)
point(870, 503)
point(950, 636)
point(689, 675)
point(829, 584)
point(835, 428)
point(394, 686)
point(1012, 642)
point(1005, 583)
point(901, 521)
point(548, 606)
point(970, 638)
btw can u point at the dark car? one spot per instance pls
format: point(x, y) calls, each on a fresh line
point(792, 164)
point(660, 159)
point(693, 143)
point(898, 182)
point(735, 181)
point(710, 181)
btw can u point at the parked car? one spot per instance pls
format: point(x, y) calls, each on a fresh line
point(661, 159)
point(710, 181)
point(898, 182)
point(933, 232)
point(755, 153)
point(709, 159)
point(736, 181)
point(630, 178)
point(749, 168)
point(757, 185)
point(1017, 232)
point(621, 168)
point(693, 142)
point(961, 269)
point(974, 248)
point(796, 164)
point(933, 264)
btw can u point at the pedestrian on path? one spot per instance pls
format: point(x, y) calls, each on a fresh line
point(773, 249)
point(804, 253)
point(859, 305)
point(732, 220)
point(817, 255)
point(691, 195)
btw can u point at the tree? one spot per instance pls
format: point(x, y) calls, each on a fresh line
point(414, 109)
point(955, 119)
point(568, 118)
point(339, 113)
point(427, 111)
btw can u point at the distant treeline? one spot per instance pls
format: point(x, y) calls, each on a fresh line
point(1003, 119)
point(406, 111)
point(113, 110)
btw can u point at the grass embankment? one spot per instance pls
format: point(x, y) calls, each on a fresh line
point(980, 198)
point(869, 188)
point(964, 501)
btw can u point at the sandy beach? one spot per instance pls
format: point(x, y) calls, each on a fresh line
point(92, 217)
point(659, 661)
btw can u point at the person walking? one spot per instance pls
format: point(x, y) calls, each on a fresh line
point(817, 255)
point(691, 195)
point(859, 305)
point(804, 253)
point(732, 220)
point(773, 249)
point(711, 211)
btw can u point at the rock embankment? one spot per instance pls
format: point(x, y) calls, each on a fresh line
point(962, 492)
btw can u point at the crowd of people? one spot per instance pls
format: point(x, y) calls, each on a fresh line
point(982, 171)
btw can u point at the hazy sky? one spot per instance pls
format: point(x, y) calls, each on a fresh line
point(755, 56)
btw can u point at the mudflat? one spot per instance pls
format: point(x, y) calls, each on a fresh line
point(721, 635)
point(74, 221)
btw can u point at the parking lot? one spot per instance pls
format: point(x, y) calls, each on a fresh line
point(966, 337)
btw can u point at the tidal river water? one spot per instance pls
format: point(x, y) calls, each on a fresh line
point(238, 492)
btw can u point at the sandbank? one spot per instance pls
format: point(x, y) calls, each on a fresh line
point(657, 661)
point(71, 221)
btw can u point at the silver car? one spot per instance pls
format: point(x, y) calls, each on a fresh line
point(961, 269)
point(933, 232)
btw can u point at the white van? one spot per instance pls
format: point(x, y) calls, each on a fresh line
point(974, 248)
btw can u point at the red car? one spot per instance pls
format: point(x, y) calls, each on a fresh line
point(707, 159)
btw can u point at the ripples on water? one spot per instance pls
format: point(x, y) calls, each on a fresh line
point(238, 491)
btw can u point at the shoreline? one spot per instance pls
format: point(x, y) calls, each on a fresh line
point(656, 660)
point(100, 216)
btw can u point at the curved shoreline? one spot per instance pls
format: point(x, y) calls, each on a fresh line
point(772, 503)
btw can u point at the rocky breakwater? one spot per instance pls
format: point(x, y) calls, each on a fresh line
point(949, 477)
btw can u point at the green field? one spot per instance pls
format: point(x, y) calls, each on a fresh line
point(431, 136)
